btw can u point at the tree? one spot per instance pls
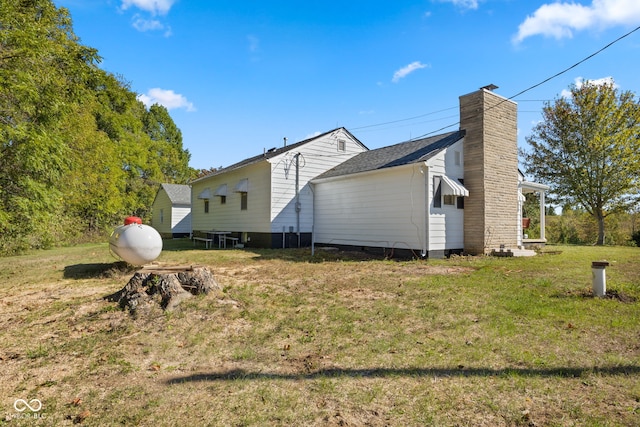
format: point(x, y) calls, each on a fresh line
point(41, 67)
point(78, 150)
point(166, 149)
point(587, 149)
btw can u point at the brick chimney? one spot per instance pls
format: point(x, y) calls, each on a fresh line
point(490, 171)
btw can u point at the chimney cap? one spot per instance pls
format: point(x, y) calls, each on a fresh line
point(490, 87)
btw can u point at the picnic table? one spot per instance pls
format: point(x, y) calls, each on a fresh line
point(222, 237)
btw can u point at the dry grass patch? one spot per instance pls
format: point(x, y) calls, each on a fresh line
point(333, 339)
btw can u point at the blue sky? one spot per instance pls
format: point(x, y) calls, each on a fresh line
point(239, 76)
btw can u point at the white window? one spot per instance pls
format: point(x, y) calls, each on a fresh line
point(342, 145)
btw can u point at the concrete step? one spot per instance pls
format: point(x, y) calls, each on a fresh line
point(508, 252)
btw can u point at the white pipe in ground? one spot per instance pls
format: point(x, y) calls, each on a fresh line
point(599, 277)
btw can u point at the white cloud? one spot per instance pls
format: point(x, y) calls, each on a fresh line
point(560, 20)
point(167, 98)
point(463, 4)
point(155, 7)
point(579, 82)
point(141, 24)
point(405, 71)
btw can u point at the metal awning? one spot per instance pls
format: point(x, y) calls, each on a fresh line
point(531, 187)
point(453, 188)
point(205, 194)
point(221, 191)
point(242, 186)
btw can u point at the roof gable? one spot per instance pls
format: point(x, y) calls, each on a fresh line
point(178, 194)
point(404, 153)
point(273, 152)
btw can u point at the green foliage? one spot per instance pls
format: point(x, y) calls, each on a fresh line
point(577, 227)
point(78, 151)
point(588, 151)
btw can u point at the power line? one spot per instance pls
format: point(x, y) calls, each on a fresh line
point(514, 96)
point(404, 120)
point(577, 63)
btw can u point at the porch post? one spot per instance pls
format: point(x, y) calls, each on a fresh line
point(542, 215)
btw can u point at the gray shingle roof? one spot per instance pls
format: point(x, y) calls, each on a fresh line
point(272, 153)
point(178, 194)
point(404, 153)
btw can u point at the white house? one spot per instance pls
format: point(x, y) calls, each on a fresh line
point(408, 196)
point(266, 200)
point(451, 193)
point(171, 210)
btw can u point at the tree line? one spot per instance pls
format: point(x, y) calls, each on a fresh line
point(78, 150)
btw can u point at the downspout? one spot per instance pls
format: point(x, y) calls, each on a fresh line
point(298, 207)
point(425, 246)
point(313, 219)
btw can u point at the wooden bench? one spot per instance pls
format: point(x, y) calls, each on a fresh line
point(234, 241)
point(207, 241)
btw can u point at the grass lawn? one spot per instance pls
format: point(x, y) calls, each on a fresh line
point(337, 339)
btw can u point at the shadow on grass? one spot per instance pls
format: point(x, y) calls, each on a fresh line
point(290, 254)
point(239, 374)
point(97, 270)
point(587, 293)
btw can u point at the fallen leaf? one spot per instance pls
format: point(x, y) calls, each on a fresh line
point(82, 416)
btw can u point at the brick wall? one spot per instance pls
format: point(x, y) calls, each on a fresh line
point(490, 171)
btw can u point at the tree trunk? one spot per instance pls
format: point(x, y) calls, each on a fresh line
point(600, 219)
point(164, 286)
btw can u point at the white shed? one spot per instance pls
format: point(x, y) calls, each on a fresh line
point(171, 209)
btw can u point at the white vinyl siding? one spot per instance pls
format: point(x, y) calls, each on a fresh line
point(388, 207)
point(315, 158)
point(168, 218)
point(446, 223)
point(228, 216)
point(385, 208)
point(161, 204)
point(180, 219)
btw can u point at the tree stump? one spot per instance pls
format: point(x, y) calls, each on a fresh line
point(166, 286)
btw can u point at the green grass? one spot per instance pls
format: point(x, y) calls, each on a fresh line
point(330, 339)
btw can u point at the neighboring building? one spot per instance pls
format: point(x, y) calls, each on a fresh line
point(171, 210)
point(266, 201)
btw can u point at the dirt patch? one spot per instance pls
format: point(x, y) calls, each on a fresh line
point(620, 296)
point(612, 294)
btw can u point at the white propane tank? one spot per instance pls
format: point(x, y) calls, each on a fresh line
point(135, 242)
